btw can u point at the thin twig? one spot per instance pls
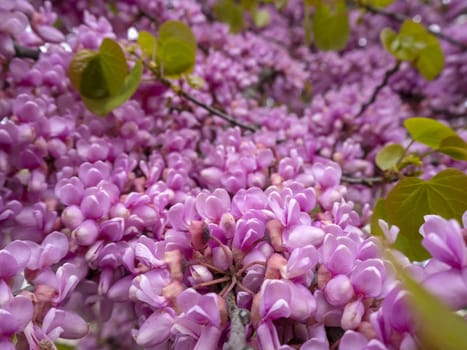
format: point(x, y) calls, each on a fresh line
point(378, 88)
point(401, 18)
point(191, 98)
point(26, 52)
point(216, 111)
point(239, 318)
point(448, 114)
point(369, 181)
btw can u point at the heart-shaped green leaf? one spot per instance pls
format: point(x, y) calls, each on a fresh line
point(428, 131)
point(412, 198)
point(104, 106)
point(148, 43)
point(231, 13)
point(455, 147)
point(176, 49)
point(77, 66)
point(113, 64)
point(389, 155)
point(331, 26)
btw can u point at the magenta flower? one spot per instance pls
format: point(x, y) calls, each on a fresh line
point(92, 174)
point(14, 258)
point(283, 298)
point(148, 287)
point(368, 277)
point(443, 239)
point(339, 253)
point(56, 323)
point(52, 249)
point(202, 318)
point(339, 290)
point(70, 191)
point(247, 232)
point(156, 329)
point(300, 265)
point(15, 313)
point(212, 206)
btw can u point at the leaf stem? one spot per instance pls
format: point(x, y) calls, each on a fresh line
point(406, 149)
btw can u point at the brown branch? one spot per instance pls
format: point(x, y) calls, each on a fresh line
point(378, 88)
point(368, 181)
point(216, 111)
point(239, 318)
point(401, 18)
point(26, 52)
point(448, 114)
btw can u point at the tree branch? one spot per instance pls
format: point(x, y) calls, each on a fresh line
point(401, 18)
point(368, 181)
point(26, 52)
point(378, 88)
point(448, 114)
point(216, 111)
point(239, 318)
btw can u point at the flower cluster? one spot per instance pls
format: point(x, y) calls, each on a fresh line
point(162, 227)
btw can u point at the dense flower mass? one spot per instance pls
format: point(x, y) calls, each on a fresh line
point(161, 226)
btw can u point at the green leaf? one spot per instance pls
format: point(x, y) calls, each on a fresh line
point(387, 37)
point(176, 49)
point(148, 43)
point(455, 147)
point(389, 156)
point(93, 83)
point(437, 327)
point(104, 72)
point(415, 44)
point(379, 212)
point(77, 66)
point(61, 346)
point(249, 5)
point(428, 131)
point(231, 13)
point(114, 65)
point(105, 105)
point(412, 198)
point(261, 18)
point(378, 3)
point(331, 26)
point(431, 59)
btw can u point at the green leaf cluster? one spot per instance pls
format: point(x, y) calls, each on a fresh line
point(173, 52)
point(330, 25)
point(412, 198)
point(416, 45)
point(102, 77)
